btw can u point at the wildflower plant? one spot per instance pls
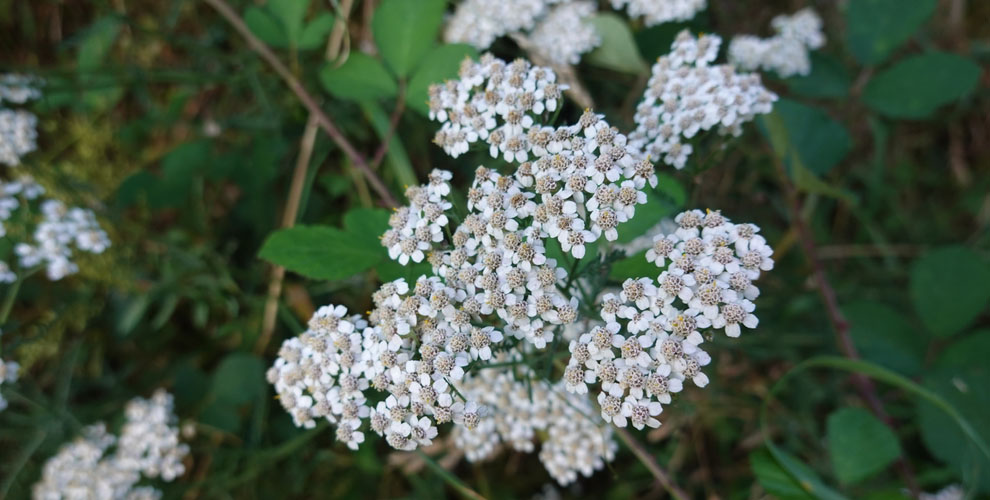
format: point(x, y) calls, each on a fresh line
point(475, 342)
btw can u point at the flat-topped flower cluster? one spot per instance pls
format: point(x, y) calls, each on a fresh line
point(100, 464)
point(53, 230)
point(687, 94)
point(458, 345)
point(785, 53)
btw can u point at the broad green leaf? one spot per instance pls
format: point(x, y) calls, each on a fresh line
point(618, 50)
point(441, 64)
point(887, 337)
point(239, 379)
point(774, 128)
point(969, 350)
point(668, 197)
point(266, 26)
point(315, 34)
point(774, 479)
point(367, 225)
point(320, 252)
point(291, 14)
point(950, 287)
point(965, 388)
point(828, 78)
point(179, 168)
point(361, 77)
point(820, 141)
point(917, 86)
point(859, 444)
point(405, 30)
point(222, 416)
point(874, 28)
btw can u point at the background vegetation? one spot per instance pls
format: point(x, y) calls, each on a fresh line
point(870, 179)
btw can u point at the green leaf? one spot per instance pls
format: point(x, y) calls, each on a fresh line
point(965, 388)
point(820, 141)
point(950, 287)
point(315, 34)
point(618, 50)
point(874, 28)
point(179, 168)
point(361, 77)
point(969, 350)
point(887, 337)
point(239, 379)
point(405, 30)
point(291, 14)
point(101, 90)
point(96, 44)
point(321, 252)
point(635, 266)
point(917, 86)
point(774, 479)
point(266, 26)
point(859, 444)
point(442, 63)
point(367, 225)
point(828, 78)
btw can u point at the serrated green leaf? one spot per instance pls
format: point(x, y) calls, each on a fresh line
point(440, 64)
point(361, 77)
point(405, 30)
point(239, 379)
point(874, 28)
point(886, 336)
point(618, 50)
point(774, 479)
point(917, 86)
point(859, 444)
point(320, 252)
point(950, 287)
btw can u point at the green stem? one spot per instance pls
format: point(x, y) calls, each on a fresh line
point(452, 480)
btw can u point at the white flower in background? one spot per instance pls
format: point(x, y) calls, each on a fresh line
point(656, 12)
point(557, 30)
point(59, 230)
point(785, 53)
point(564, 34)
point(8, 374)
point(101, 465)
point(951, 492)
point(687, 95)
point(18, 128)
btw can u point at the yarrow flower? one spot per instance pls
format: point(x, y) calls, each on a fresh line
point(656, 12)
point(8, 374)
point(18, 128)
point(99, 464)
point(556, 30)
point(785, 53)
point(650, 344)
point(688, 94)
point(574, 440)
point(51, 228)
point(453, 346)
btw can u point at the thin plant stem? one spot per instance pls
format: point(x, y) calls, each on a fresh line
point(864, 385)
point(307, 99)
point(452, 480)
point(651, 464)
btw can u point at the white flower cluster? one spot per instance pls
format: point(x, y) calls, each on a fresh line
point(785, 53)
point(59, 229)
point(148, 447)
point(656, 12)
point(583, 180)
point(18, 128)
point(8, 373)
point(574, 439)
point(687, 94)
point(559, 33)
point(650, 342)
